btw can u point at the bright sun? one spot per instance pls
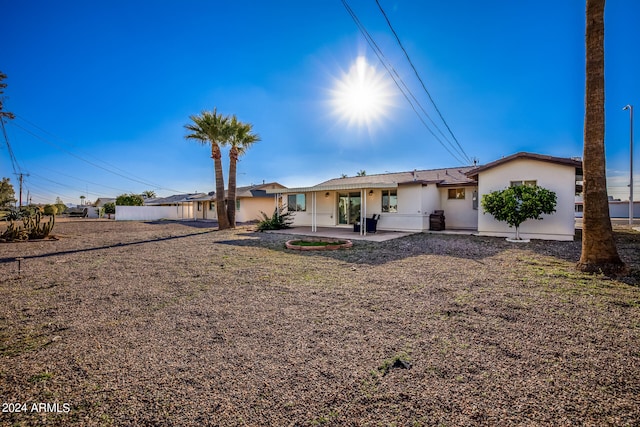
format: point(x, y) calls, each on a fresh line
point(363, 95)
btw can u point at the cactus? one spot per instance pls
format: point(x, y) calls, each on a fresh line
point(38, 229)
point(32, 228)
point(13, 233)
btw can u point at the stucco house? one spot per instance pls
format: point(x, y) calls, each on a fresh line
point(405, 201)
point(250, 201)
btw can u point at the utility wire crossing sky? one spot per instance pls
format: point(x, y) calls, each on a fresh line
point(102, 91)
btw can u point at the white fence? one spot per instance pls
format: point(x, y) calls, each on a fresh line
point(152, 213)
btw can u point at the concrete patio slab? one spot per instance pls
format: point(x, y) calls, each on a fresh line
point(342, 233)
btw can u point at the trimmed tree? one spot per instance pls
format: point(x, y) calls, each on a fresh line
point(129, 200)
point(515, 205)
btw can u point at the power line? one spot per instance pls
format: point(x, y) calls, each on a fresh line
point(129, 176)
point(421, 81)
point(14, 161)
point(396, 77)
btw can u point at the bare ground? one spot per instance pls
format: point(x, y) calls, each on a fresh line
point(178, 324)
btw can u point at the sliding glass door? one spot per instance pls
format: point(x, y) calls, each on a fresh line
point(348, 208)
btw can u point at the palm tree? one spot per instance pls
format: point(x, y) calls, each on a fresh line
point(213, 128)
point(148, 194)
point(599, 253)
point(242, 137)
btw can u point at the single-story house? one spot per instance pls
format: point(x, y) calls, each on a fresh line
point(405, 201)
point(250, 202)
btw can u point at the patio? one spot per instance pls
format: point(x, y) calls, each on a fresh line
point(342, 233)
point(347, 233)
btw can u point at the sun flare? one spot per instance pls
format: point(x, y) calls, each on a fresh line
point(363, 95)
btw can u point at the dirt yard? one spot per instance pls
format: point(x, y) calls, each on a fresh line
point(163, 324)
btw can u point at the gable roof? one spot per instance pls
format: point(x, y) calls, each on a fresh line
point(455, 176)
point(173, 200)
point(473, 173)
point(258, 190)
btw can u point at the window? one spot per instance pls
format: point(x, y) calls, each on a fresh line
point(389, 201)
point(297, 203)
point(199, 206)
point(456, 193)
point(212, 206)
point(237, 204)
point(531, 183)
point(579, 208)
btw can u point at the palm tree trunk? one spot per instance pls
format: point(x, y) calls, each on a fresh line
point(223, 221)
point(231, 196)
point(599, 253)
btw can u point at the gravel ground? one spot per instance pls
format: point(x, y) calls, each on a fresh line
point(163, 324)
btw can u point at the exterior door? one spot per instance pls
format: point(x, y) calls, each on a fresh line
point(348, 208)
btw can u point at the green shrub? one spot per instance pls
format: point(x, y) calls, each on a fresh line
point(515, 205)
point(278, 221)
point(50, 209)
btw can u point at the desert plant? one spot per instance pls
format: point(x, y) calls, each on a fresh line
point(36, 228)
point(14, 232)
point(280, 220)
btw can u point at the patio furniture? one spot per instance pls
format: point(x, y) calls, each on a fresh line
point(371, 223)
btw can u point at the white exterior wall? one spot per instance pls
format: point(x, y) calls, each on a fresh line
point(555, 177)
point(325, 210)
point(152, 213)
point(413, 210)
point(459, 213)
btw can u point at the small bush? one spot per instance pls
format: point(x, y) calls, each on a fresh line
point(279, 221)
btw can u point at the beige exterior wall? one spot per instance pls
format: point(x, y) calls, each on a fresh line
point(557, 178)
point(459, 213)
point(250, 208)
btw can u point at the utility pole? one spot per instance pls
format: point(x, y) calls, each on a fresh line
point(630, 108)
point(21, 180)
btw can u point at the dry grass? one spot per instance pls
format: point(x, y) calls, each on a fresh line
point(173, 324)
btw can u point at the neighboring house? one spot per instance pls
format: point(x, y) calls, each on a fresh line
point(250, 202)
point(101, 201)
point(179, 206)
point(405, 200)
point(93, 211)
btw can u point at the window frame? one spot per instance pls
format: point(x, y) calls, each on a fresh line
point(389, 195)
point(297, 206)
point(459, 191)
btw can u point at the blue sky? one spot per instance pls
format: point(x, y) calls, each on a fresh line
point(102, 90)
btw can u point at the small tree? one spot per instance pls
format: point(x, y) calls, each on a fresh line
point(129, 200)
point(7, 194)
point(50, 210)
point(110, 209)
point(148, 194)
point(517, 204)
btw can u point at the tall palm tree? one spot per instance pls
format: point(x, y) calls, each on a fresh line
point(213, 128)
point(599, 253)
point(242, 137)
